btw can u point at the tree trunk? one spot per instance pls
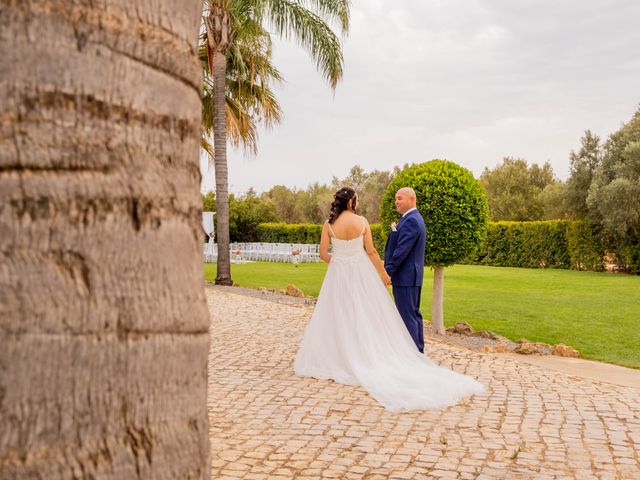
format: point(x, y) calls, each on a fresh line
point(437, 317)
point(223, 276)
point(103, 319)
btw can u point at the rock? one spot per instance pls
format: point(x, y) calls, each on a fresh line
point(294, 291)
point(462, 328)
point(497, 348)
point(525, 348)
point(490, 335)
point(563, 350)
point(533, 348)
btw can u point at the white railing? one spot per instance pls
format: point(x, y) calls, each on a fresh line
point(242, 252)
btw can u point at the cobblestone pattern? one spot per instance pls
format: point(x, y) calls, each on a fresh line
point(532, 423)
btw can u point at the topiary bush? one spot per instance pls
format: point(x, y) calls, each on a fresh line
point(455, 211)
point(452, 203)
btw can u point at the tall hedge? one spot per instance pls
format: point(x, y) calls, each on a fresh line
point(547, 244)
point(307, 233)
point(289, 232)
point(585, 245)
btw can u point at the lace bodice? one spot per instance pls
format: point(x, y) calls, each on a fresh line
point(347, 248)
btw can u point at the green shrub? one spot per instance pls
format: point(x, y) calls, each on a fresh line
point(307, 233)
point(549, 244)
point(452, 203)
point(585, 246)
point(546, 244)
point(379, 239)
point(289, 232)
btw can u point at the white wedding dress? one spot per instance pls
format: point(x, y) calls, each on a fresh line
point(357, 337)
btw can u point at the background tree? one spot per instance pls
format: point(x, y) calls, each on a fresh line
point(246, 213)
point(318, 203)
point(356, 179)
point(514, 189)
point(308, 24)
point(370, 187)
point(614, 196)
point(209, 202)
point(285, 205)
point(372, 192)
point(553, 200)
point(103, 320)
point(455, 210)
point(584, 164)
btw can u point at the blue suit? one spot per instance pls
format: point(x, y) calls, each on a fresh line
point(404, 262)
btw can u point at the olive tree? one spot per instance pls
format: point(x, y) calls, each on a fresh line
point(614, 194)
point(455, 210)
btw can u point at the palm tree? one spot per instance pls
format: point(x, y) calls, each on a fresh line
point(249, 98)
point(223, 20)
point(103, 320)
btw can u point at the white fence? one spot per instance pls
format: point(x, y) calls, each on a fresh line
point(269, 252)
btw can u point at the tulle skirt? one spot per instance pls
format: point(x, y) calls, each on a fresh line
point(357, 337)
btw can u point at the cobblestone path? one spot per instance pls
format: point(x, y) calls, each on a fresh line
point(532, 423)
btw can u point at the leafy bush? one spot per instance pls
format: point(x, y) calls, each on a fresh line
point(307, 233)
point(585, 246)
point(452, 203)
point(379, 240)
point(548, 244)
point(525, 244)
point(289, 233)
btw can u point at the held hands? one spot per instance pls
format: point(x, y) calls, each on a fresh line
point(386, 279)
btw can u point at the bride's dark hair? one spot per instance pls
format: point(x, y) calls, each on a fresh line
point(341, 201)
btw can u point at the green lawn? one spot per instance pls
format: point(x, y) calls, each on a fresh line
point(597, 313)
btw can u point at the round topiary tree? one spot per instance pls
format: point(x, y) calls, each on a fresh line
point(455, 211)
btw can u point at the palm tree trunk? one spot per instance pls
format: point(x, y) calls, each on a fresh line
point(437, 316)
point(223, 276)
point(103, 319)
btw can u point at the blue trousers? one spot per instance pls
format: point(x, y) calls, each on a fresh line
point(408, 302)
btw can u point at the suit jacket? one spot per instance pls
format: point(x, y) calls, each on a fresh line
point(404, 252)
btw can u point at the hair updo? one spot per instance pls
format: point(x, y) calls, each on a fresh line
point(341, 202)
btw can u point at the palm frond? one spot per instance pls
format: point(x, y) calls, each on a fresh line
point(333, 10)
point(292, 20)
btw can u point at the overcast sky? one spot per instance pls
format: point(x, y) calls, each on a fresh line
point(471, 81)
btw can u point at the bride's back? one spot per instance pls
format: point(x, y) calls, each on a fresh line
point(347, 226)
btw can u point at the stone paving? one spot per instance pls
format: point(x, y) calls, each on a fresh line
point(532, 423)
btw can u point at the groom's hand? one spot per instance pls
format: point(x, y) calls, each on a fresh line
point(386, 279)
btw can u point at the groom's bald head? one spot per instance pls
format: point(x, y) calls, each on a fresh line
point(405, 199)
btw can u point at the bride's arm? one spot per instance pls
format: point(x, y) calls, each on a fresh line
point(373, 255)
point(324, 244)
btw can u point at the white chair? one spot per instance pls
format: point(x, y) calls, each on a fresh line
point(210, 251)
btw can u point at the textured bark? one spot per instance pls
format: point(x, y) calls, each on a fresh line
point(437, 316)
point(223, 275)
point(219, 36)
point(103, 320)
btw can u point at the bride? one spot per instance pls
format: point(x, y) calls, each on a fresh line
point(356, 335)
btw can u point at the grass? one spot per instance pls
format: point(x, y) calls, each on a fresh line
point(596, 313)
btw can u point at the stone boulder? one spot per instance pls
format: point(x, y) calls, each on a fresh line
point(294, 291)
point(461, 328)
point(490, 335)
point(533, 348)
point(563, 350)
point(497, 348)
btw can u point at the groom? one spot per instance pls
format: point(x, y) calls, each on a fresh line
point(404, 262)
